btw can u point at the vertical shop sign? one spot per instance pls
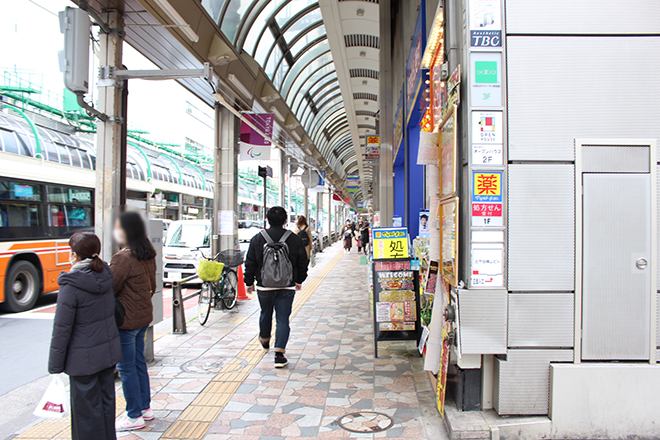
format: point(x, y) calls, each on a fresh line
point(486, 79)
point(485, 23)
point(487, 139)
point(487, 265)
point(487, 207)
point(414, 64)
point(398, 127)
point(390, 243)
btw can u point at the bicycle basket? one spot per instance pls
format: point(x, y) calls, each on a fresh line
point(210, 271)
point(231, 258)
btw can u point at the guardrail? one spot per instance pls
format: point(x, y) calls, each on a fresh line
point(178, 311)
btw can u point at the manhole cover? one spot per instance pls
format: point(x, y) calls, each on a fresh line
point(214, 365)
point(365, 421)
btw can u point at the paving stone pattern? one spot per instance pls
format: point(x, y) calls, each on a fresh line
point(217, 383)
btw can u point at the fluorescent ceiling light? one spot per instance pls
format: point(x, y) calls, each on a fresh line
point(177, 19)
point(239, 85)
point(296, 136)
point(277, 113)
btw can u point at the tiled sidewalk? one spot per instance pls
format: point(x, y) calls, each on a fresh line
point(215, 382)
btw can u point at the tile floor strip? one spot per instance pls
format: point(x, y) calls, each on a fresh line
point(194, 422)
point(216, 394)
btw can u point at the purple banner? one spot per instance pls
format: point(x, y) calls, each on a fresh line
point(264, 122)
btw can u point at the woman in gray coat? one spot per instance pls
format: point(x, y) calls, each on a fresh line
point(85, 343)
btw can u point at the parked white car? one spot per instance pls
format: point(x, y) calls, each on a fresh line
point(180, 254)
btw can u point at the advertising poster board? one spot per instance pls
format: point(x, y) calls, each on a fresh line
point(487, 261)
point(396, 301)
point(424, 225)
point(448, 155)
point(449, 242)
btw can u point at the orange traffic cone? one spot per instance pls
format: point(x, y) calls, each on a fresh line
point(242, 296)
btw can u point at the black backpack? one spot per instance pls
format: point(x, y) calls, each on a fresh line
point(276, 269)
point(304, 237)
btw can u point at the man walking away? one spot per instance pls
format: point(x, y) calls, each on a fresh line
point(277, 260)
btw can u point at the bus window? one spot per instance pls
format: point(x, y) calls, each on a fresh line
point(10, 190)
point(79, 216)
point(80, 196)
point(16, 214)
point(57, 216)
point(57, 194)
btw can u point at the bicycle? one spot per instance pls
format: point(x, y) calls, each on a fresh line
point(220, 282)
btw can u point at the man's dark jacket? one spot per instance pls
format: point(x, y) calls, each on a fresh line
point(85, 336)
point(255, 256)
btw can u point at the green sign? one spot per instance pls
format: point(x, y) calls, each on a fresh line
point(485, 72)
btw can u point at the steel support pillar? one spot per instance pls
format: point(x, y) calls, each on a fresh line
point(385, 177)
point(108, 140)
point(306, 202)
point(225, 175)
point(329, 216)
point(282, 195)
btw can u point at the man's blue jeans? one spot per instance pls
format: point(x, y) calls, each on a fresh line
point(281, 301)
point(133, 371)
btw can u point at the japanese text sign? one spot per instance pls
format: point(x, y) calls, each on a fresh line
point(390, 243)
point(487, 186)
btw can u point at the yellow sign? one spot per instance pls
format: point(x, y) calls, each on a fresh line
point(487, 186)
point(390, 243)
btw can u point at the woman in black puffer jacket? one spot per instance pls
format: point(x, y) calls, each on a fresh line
point(85, 343)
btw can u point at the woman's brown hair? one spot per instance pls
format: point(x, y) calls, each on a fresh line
point(87, 245)
point(302, 221)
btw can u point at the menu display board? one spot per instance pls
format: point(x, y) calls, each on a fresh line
point(396, 301)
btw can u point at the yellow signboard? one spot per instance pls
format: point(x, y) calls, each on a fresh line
point(390, 243)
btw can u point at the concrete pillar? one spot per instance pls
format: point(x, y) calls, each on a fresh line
point(108, 140)
point(225, 176)
point(181, 210)
point(387, 97)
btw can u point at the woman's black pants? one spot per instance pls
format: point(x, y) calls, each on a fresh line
point(93, 406)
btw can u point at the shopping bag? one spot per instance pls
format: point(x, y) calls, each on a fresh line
point(53, 403)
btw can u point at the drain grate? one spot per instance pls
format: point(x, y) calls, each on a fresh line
point(365, 422)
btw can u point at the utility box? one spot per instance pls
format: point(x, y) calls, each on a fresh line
point(155, 231)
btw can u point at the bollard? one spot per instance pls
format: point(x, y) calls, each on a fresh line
point(178, 311)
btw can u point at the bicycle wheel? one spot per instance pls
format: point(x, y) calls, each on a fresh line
point(204, 305)
point(229, 289)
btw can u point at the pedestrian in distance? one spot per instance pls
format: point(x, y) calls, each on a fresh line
point(134, 269)
point(347, 234)
point(277, 261)
point(302, 230)
point(85, 343)
point(364, 236)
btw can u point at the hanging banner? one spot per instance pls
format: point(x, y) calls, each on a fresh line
point(398, 127)
point(449, 231)
point(448, 155)
point(390, 243)
point(414, 64)
point(485, 23)
point(254, 152)
point(352, 182)
point(264, 122)
point(372, 150)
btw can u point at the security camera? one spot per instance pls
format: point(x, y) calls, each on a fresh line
point(444, 72)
